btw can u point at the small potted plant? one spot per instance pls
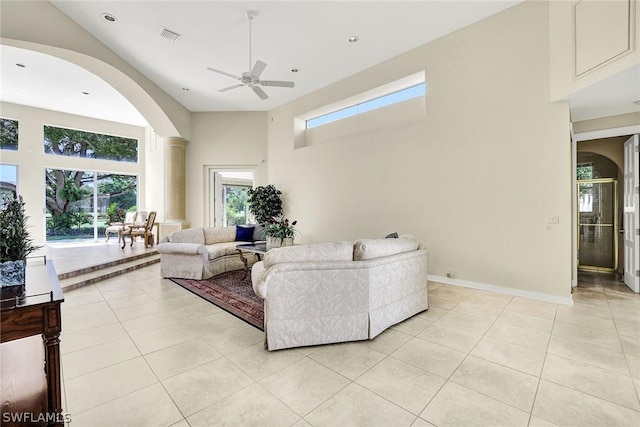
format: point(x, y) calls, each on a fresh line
point(15, 243)
point(279, 232)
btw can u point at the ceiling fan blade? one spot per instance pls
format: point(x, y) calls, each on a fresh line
point(276, 83)
point(258, 68)
point(223, 72)
point(231, 87)
point(258, 90)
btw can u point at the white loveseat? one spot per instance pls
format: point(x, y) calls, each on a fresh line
point(201, 253)
point(335, 292)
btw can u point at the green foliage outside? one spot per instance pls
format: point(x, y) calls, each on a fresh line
point(69, 193)
point(584, 172)
point(76, 143)
point(8, 134)
point(236, 205)
point(120, 188)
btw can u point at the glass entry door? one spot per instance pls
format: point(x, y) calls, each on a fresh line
point(598, 224)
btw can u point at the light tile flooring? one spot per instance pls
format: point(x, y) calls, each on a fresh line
point(140, 350)
point(75, 255)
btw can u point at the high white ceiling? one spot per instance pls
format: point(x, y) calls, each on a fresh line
point(311, 36)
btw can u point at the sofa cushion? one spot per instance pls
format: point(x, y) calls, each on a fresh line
point(338, 251)
point(219, 234)
point(258, 232)
point(376, 248)
point(190, 235)
point(244, 233)
point(219, 250)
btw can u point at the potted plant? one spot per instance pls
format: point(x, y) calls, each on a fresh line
point(265, 203)
point(15, 243)
point(279, 232)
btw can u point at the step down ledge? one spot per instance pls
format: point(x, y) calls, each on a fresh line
point(96, 276)
point(93, 268)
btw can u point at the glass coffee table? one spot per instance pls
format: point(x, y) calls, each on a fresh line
point(257, 249)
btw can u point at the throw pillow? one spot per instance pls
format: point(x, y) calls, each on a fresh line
point(244, 234)
point(376, 248)
point(391, 236)
point(258, 232)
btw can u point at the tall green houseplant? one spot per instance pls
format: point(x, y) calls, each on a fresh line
point(265, 203)
point(15, 243)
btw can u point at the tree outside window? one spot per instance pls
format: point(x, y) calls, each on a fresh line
point(8, 134)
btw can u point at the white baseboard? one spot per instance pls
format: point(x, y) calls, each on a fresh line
point(502, 290)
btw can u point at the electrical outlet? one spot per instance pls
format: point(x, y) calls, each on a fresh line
point(449, 274)
point(553, 219)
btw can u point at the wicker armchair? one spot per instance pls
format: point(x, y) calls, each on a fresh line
point(144, 230)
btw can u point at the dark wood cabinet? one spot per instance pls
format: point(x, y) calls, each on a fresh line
point(36, 311)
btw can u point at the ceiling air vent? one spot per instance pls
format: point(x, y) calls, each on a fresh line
point(169, 35)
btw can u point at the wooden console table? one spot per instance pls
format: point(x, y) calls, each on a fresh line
point(36, 312)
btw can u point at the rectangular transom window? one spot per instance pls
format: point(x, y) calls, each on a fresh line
point(77, 143)
point(369, 105)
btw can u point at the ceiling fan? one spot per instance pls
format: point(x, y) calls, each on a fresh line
point(252, 78)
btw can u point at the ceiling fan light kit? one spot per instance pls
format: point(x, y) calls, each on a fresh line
point(252, 78)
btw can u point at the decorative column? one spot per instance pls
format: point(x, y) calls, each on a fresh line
point(174, 185)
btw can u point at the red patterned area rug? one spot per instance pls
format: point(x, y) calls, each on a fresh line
point(231, 293)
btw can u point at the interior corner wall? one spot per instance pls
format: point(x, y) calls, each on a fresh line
point(32, 161)
point(476, 181)
point(222, 139)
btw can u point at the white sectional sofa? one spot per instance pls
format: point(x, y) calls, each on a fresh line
point(335, 292)
point(200, 253)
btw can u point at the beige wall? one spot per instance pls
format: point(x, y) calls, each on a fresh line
point(631, 120)
point(32, 161)
point(227, 140)
point(581, 58)
point(476, 180)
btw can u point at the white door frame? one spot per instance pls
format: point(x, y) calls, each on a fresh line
point(209, 171)
point(631, 206)
point(575, 138)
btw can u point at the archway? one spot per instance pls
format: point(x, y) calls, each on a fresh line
point(157, 118)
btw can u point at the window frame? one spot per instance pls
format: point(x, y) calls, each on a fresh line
point(369, 104)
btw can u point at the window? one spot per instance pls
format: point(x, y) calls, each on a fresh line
point(372, 104)
point(584, 171)
point(8, 134)
point(76, 143)
point(80, 204)
point(8, 182)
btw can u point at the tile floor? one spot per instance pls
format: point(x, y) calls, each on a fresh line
point(75, 255)
point(140, 350)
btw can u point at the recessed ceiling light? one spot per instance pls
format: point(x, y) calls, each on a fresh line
point(21, 65)
point(295, 70)
point(85, 93)
point(109, 17)
point(353, 39)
